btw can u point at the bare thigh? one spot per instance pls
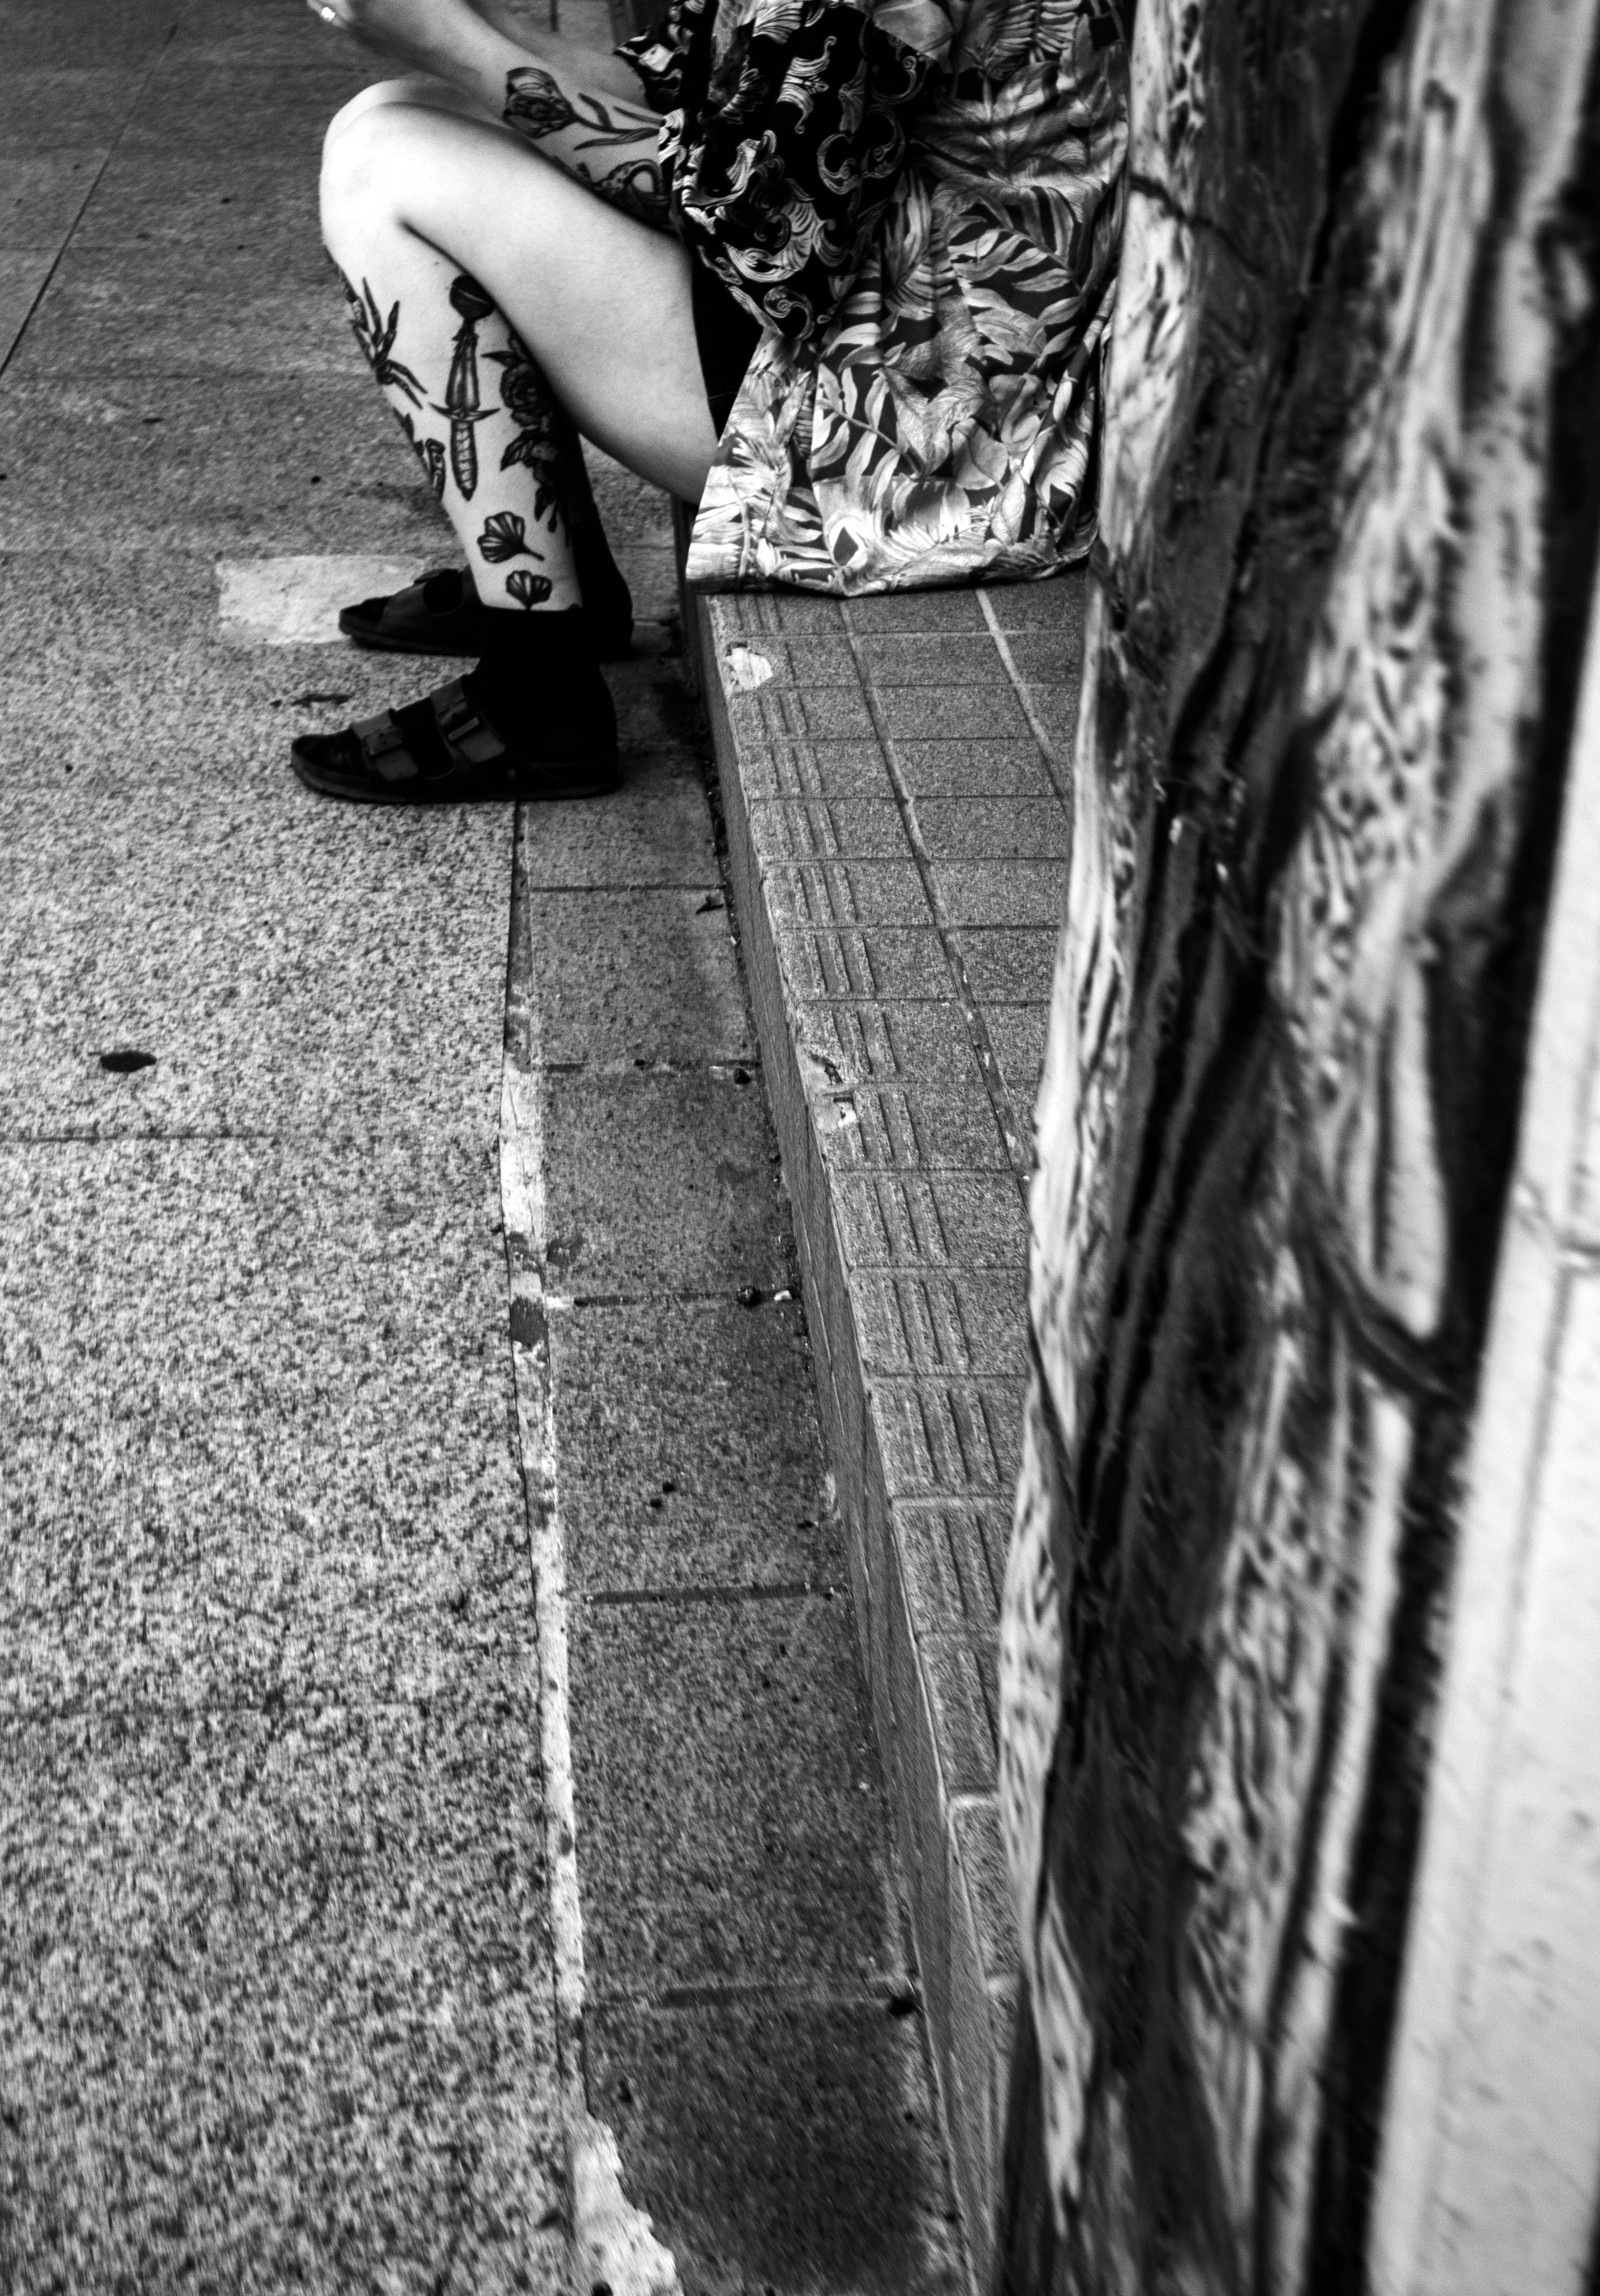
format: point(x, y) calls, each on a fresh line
point(600, 300)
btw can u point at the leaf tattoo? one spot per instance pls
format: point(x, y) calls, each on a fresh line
point(429, 453)
point(528, 590)
point(506, 536)
point(433, 451)
point(376, 336)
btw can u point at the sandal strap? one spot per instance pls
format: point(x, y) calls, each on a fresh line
point(470, 739)
point(384, 746)
point(470, 743)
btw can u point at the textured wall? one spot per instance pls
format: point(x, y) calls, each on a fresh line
point(1349, 531)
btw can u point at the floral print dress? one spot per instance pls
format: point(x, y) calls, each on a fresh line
point(921, 202)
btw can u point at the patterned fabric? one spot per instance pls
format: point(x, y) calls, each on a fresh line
point(922, 202)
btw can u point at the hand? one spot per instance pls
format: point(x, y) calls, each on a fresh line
point(428, 34)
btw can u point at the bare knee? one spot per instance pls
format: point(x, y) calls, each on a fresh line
point(365, 153)
point(394, 141)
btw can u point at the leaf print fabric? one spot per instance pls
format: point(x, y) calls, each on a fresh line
point(793, 154)
point(922, 200)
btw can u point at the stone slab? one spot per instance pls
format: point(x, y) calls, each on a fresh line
point(238, 466)
point(662, 1185)
point(775, 2146)
point(258, 1443)
point(890, 962)
point(261, 2040)
point(152, 309)
point(50, 107)
point(228, 197)
point(155, 922)
point(660, 984)
point(22, 275)
point(690, 1455)
point(41, 194)
point(197, 101)
point(729, 1789)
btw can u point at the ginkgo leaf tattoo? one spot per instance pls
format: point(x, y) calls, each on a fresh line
point(528, 590)
point(506, 536)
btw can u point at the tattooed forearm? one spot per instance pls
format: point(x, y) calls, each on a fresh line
point(536, 105)
point(574, 127)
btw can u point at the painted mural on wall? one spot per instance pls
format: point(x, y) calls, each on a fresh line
point(1349, 519)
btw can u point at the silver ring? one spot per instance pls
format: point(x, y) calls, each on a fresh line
point(329, 15)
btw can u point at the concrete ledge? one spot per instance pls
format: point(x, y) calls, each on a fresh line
point(894, 781)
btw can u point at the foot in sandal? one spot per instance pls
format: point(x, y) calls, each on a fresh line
point(442, 614)
point(533, 720)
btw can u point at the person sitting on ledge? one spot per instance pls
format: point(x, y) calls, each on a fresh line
point(843, 279)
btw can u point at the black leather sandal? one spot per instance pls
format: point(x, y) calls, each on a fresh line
point(442, 751)
point(438, 615)
point(441, 614)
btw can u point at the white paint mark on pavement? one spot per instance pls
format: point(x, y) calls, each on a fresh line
point(296, 600)
point(747, 670)
point(613, 2244)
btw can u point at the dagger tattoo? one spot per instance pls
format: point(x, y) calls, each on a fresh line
point(462, 405)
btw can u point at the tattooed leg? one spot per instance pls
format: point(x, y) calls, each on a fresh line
point(599, 304)
point(475, 407)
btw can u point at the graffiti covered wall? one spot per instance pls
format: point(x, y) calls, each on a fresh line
point(1348, 547)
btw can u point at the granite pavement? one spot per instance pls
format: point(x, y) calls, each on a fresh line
point(275, 1960)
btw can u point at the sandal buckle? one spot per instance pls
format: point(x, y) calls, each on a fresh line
point(384, 746)
point(463, 731)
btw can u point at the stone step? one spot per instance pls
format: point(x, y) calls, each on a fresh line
point(895, 784)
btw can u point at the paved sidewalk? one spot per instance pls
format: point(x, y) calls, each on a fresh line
point(895, 778)
point(275, 1942)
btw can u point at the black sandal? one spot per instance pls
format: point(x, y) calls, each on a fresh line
point(442, 751)
point(438, 615)
point(441, 613)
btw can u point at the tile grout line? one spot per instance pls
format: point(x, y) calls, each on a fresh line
point(612, 2241)
point(972, 1014)
point(66, 236)
point(887, 1992)
point(1060, 778)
